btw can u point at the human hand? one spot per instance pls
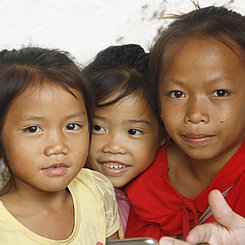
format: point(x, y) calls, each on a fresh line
point(229, 227)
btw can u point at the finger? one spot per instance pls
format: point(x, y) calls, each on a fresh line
point(171, 241)
point(222, 213)
point(202, 233)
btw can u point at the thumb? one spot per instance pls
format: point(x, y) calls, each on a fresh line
point(221, 211)
point(226, 221)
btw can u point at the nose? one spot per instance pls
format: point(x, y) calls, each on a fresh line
point(56, 144)
point(197, 111)
point(114, 144)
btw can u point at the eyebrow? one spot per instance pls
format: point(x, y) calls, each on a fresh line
point(139, 121)
point(130, 120)
point(217, 79)
point(100, 118)
point(77, 114)
point(173, 80)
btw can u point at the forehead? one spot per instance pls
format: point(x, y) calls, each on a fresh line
point(40, 93)
point(130, 108)
point(132, 101)
point(42, 86)
point(120, 96)
point(204, 57)
point(202, 42)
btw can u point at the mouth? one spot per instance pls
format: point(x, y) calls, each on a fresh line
point(113, 165)
point(57, 169)
point(115, 169)
point(198, 139)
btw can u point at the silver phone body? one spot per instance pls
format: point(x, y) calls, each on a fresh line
point(133, 241)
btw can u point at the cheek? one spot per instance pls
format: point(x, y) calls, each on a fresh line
point(144, 163)
point(172, 125)
point(96, 144)
point(81, 151)
point(169, 116)
point(91, 162)
point(167, 107)
point(17, 153)
point(147, 154)
point(94, 151)
point(81, 157)
point(84, 149)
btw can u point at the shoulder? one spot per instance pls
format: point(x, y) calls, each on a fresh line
point(105, 191)
point(97, 178)
point(97, 181)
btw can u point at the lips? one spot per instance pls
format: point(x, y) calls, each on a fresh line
point(57, 165)
point(57, 169)
point(198, 138)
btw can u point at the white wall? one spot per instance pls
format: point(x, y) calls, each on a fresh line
point(84, 27)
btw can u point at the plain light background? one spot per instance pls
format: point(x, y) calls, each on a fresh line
point(84, 27)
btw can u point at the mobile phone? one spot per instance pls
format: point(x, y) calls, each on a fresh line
point(133, 241)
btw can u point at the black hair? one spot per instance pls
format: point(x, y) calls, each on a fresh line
point(122, 70)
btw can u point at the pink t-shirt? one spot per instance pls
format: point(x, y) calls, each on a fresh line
point(123, 208)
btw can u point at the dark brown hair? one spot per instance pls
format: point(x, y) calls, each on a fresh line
point(33, 66)
point(224, 25)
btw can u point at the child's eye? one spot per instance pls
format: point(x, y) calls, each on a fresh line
point(98, 129)
point(33, 129)
point(220, 93)
point(135, 131)
point(73, 126)
point(176, 94)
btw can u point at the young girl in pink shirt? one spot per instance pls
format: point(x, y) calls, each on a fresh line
point(127, 128)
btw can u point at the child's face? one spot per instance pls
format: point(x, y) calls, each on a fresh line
point(124, 141)
point(202, 93)
point(45, 137)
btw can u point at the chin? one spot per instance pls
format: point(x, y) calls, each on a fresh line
point(117, 185)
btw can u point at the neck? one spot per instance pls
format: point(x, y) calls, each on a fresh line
point(26, 195)
point(191, 176)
